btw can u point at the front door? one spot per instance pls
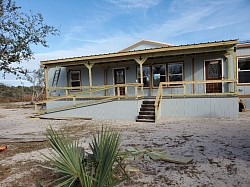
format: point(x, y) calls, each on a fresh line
point(213, 72)
point(119, 78)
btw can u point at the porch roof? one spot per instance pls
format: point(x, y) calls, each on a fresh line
point(146, 53)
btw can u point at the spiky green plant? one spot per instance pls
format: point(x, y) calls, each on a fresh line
point(105, 149)
point(78, 168)
point(67, 161)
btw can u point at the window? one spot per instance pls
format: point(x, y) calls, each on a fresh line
point(175, 72)
point(75, 79)
point(213, 69)
point(244, 70)
point(146, 75)
point(159, 74)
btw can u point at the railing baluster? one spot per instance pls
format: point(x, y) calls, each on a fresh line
point(118, 92)
point(136, 92)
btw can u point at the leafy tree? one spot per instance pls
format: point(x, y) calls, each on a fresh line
point(18, 31)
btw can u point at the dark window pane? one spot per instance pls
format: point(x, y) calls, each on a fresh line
point(244, 77)
point(244, 63)
point(156, 80)
point(75, 84)
point(175, 68)
point(163, 70)
point(213, 71)
point(159, 74)
point(145, 71)
point(163, 78)
point(146, 75)
point(138, 72)
point(175, 78)
point(175, 72)
point(75, 76)
point(119, 77)
point(146, 81)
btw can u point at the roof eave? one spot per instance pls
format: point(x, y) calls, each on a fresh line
point(109, 56)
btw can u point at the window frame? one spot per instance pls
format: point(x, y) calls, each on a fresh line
point(168, 80)
point(238, 83)
point(152, 73)
point(70, 80)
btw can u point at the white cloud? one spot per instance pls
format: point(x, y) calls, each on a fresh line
point(192, 16)
point(128, 4)
point(11, 80)
point(111, 44)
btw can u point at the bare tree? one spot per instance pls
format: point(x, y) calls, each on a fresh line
point(36, 77)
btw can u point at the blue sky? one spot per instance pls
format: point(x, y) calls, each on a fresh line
point(102, 26)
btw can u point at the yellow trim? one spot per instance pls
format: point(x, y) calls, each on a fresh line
point(184, 94)
point(158, 44)
point(135, 54)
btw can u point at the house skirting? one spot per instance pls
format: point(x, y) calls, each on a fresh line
point(200, 107)
point(129, 109)
point(115, 110)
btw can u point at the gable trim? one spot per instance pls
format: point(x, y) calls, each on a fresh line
point(145, 42)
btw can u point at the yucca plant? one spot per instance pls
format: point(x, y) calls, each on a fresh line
point(67, 161)
point(79, 168)
point(105, 149)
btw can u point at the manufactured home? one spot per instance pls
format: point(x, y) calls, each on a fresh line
point(144, 82)
point(243, 72)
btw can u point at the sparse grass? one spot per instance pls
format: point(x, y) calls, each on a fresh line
point(37, 173)
point(16, 148)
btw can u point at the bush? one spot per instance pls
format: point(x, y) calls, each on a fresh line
point(76, 167)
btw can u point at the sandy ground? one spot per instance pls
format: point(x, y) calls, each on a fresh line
point(220, 148)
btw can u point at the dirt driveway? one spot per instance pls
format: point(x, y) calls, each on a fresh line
point(219, 147)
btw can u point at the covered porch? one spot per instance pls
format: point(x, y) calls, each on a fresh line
point(191, 71)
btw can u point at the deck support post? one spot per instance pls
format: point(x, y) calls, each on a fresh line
point(36, 109)
point(74, 101)
point(141, 61)
point(89, 66)
point(136, 92)
point(118, 92)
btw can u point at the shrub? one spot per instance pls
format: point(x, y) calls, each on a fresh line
point(76, 167)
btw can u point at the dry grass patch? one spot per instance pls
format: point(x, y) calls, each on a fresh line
point(16, 148)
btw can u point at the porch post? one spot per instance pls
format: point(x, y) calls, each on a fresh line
point(46, 72)
point(105, 78)
point(235, 71)
point(141, 61)
point(89, 66)
point(232, 67)
point(193, 88)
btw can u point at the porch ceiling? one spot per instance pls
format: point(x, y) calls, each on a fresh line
point(147, 53)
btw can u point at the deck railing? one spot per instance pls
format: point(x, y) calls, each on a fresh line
point(191, 89)
point(95, 94)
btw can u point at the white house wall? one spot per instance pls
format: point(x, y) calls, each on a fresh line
point(244, 89)
point(200, 107)
point(212, 107)
point(61, 80)
point(115, 110)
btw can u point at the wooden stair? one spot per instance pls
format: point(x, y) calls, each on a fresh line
point(147, 112)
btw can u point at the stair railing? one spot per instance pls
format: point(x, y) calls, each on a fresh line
point(158, 102)
point(88, 95)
